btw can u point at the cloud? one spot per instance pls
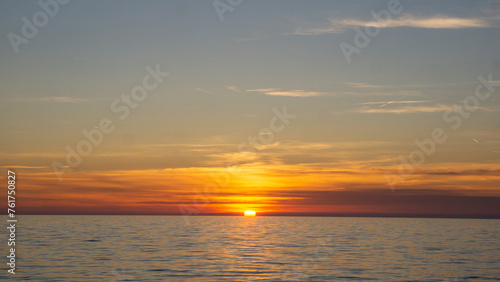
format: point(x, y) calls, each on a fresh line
point(365, 85)
point(62, 99)
point(435, 22)
point(53, 99)
point(199, 89)
point(233, 88)
point(464, 172)
point(262, 90)
point(361, 88)
point(405, 109)
point(290, 93)
point(401, 108)
point(382, 104)
point(22, 166)
point(413, 201)
point(336, 25)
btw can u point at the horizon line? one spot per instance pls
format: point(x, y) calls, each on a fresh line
point(446, 216)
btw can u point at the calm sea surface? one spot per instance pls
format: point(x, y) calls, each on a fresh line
point(167, 248)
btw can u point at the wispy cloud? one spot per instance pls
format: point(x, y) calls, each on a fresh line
point(434, 22)
point(366, 85)
point(54, 99)
point(199, 89)
point(338, 25)
point(233, 88)
point(62, 99)
point(368, 92)
point(290, 93)
point(383, 104)
point(393, 101)
point(22, 166)
point(400, 109)
point(405, 109)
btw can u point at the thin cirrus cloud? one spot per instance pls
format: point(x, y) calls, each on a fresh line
point(366, 85)
point(383, 104)
point(290, 93)
point(54, 99)
point(336, 25)
point(22, 166)
point(404, 109)
point(199, 89)
point(233, 88)
point(62, 99)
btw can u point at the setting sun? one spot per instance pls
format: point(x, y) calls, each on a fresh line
point(249, 213)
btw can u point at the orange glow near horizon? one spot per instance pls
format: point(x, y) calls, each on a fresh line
point(329, 191)
point(249, 213)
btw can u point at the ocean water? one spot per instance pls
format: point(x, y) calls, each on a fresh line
point(212, 248)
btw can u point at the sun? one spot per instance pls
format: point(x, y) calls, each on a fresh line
point(249, 213)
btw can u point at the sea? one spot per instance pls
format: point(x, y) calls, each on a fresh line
point(261, 248)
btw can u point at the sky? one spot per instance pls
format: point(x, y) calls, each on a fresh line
point(282, 107)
